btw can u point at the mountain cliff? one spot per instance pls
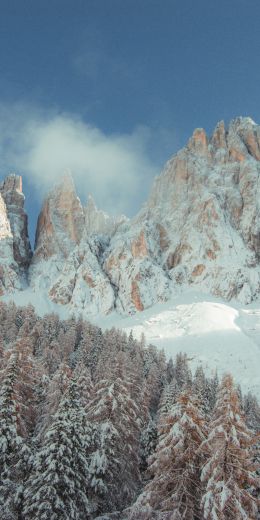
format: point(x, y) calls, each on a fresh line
point(15, 249)
point(199, 228)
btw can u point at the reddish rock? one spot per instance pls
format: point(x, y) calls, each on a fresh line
point(198, 270)
point(199, 142)
point(135, 296)
point(139, 246)
point(61, 222)
point(218, 139)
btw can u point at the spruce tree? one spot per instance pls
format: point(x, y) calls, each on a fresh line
point(229, 474)
point(115, 464)
point(175, 488)
point(57, 487)
point(14, 453)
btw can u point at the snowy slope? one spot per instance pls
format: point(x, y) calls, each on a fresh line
point(215, 334)
point(219, 335)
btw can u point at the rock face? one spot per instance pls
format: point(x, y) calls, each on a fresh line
point(15, 249)
point(60, 223)
point(201, 225)
point(199, 228)
point(67, 252)
point(207, 199)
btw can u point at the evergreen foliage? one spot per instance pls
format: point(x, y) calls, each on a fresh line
point(99, 423)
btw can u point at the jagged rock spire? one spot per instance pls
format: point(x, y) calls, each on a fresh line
point(61, 221)
point(15, 249)
point(200, 228)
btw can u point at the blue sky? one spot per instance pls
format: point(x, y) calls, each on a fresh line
point(129, 79)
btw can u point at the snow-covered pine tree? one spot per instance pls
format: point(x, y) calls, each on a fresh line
point(52, 357)
point(54, 394)
point(175, 487)
point(252, 412)
point(85, 345)
point(10, 327)
point(148, 443)
point(14, 452)
point(28, 320)
point(67, 340)
point(85, 384)
point(97, 346)
point(169, 397)
point(202, 388)
point(104, 359)
point(252, 416)
point(229, 473)
point(182, 372)
point(155, 380)
point(58, 485)
point(213, 384)
point(170, 370)
point(115, 463)
point(29, 372)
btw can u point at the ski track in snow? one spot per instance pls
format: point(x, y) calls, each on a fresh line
point(219, 335)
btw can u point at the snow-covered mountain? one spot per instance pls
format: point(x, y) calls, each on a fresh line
point(198, 233)
point(199, 228)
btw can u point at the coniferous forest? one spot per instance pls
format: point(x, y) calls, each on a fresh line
point(99, 425)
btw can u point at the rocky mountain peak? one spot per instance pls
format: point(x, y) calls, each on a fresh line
point(12, 184)
point(207, 200)
point(61, 221)
point(218, 138)
point(11, 190)
point(15, 249)
point(198, 143)
point(199, 228)
point(99, 222)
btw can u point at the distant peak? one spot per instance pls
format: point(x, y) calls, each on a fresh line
point(241, 122)
point(64, 185)
point(199, 141)
point(12, 182)
point(67, 180)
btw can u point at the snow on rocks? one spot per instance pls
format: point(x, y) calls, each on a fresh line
point(199, 228)
point(15, 250)
point(82, 284)
point(132, 266)
point(209, 210)
point(66, 260)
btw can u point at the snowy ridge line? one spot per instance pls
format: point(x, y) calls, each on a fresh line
point(199, 228)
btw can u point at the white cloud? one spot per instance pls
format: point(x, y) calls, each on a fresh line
point(116, 169)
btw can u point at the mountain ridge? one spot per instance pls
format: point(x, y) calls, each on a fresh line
point(200, 227)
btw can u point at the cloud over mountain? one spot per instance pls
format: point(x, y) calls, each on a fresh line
point(41, 145)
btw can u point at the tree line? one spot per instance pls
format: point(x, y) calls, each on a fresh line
point(99, 425)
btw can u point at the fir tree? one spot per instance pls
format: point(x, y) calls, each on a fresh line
point(57, 487)
point(86, 388)
point(229, 474)
point(182, 371)
point(115, 465)
point(14, 453)
point(148, 443)
point(55, 392)
point(174, 467)
point(202, 388)
point(252, 412)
